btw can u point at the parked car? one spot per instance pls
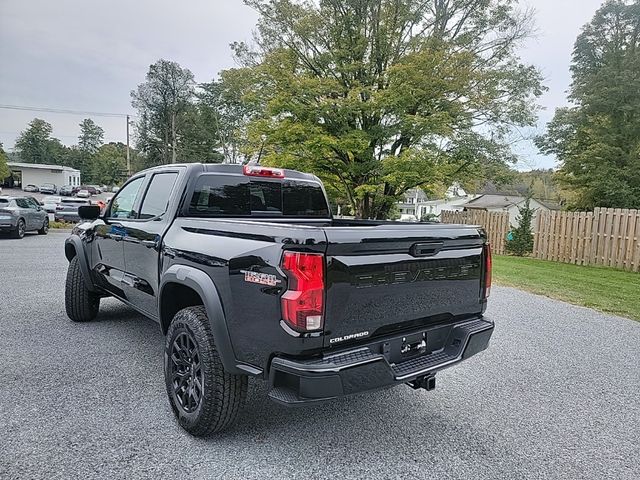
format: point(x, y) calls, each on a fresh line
point(97, 189)
point(83, 194)
point(19, 215)
point(31, 188)
point(248, 274)
point(51, 203)
point(66, 190)
point(49, 188)
point(115, 189)
point(68, 209)
point(91, 189)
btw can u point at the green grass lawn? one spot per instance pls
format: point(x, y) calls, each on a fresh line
point(605, 289)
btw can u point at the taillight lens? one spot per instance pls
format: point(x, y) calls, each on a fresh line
point(487, 270)
point(258, 171)
point(303, 302)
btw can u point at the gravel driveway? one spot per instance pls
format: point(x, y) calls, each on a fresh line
point(555, 396)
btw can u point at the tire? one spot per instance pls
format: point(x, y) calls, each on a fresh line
point(81, 304)
point(221, 394)
point(45, 227)
point(20, 230)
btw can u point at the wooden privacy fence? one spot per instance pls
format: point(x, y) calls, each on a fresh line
point(495, 223)
point(606, 236)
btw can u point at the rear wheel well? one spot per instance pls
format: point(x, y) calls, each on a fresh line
point(173, 298)
point(70, 251)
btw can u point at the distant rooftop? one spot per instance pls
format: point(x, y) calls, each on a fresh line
point(494, 201)
point(505, 201)
point(42, 166)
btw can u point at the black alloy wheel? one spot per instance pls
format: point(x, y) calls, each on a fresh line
point(186, 372)
point(45, 227)
point(20, 230)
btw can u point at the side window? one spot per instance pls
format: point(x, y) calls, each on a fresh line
point(122, 203)
point(22, 203)
point(156, 199)
point(33, 203)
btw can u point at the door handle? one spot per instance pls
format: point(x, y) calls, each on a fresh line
point(150, 244)
point(426, 249)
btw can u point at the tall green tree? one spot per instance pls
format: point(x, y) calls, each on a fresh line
point(109, 165)
point(35, 144)
point(199, 141)
point(522, 242)
point(89, 142)
point(597, 139)
point(162, 102)
point(229, 112)
point(4, 168)
point(380, 96)
point(91, 136)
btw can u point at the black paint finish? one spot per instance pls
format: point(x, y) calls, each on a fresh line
point(382, 278)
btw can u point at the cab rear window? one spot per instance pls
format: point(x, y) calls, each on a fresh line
point(239, 196)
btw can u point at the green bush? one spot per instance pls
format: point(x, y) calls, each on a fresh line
point(521, 243)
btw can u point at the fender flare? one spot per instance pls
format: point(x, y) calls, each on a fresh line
point(202, 283)
point(76, 243)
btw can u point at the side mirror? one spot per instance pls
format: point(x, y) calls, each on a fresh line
point(89, 212)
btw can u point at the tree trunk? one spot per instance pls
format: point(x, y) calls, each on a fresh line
point(165, 146)
point(173, 137)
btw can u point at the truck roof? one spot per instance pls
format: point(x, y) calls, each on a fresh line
point(234, 169)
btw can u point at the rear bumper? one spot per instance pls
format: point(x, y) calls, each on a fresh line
point(8, 224)
point(369, 367)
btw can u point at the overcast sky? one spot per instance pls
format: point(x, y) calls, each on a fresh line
point(88, 55)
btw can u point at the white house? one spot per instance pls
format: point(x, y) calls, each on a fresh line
point(508, 203)
point(37, 174)
point(416, 205)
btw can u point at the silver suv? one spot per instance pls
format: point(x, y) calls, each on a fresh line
point(19, 215)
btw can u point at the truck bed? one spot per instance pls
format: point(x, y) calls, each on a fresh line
point(381, 277)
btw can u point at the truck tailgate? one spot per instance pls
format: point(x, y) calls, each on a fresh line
point(390, 278)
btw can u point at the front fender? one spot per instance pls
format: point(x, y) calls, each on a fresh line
point(73, 246)
point(200, 282)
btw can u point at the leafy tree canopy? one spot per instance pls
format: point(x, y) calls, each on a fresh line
point(380, 96)
point(4, 169)
point(597, 140)
point(109, 166)
point(163, 101)
point(36, 145)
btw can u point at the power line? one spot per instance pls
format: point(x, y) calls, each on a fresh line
point(63, 111)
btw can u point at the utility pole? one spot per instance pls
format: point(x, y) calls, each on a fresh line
point(128, 154)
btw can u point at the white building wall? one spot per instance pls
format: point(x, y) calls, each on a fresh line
point(514, 212)
point(38, 176)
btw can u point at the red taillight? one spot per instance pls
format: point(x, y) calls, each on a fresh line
point(258, 171)
point(487, 270)
point(303, 302)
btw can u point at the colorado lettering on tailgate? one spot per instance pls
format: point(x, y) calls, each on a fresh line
point(453, 272)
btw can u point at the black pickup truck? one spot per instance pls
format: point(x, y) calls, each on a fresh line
point(249, 275)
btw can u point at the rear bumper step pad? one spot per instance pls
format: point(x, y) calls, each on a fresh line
point(363, 369)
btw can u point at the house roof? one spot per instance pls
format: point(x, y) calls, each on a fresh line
point(42, 166)
point(494, 201)
point(506, 201)
point(550, 204)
